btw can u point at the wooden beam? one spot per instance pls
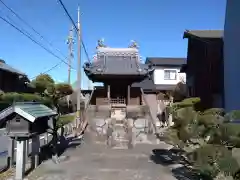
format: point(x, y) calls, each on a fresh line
point(128, 94)
point(108, 94)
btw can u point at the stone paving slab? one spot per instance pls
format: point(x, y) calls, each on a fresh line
point(96, 162)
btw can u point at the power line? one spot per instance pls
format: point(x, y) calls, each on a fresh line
point(33, 29)
point(13, 22)
point(56, 65)
point(50, 69)
point(75, 27)
point(33, 40)
point(41, 36)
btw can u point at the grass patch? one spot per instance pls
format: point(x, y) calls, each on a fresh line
point(9, 174)
point(63, 120)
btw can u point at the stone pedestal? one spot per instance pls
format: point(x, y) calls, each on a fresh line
point(35, 151)
point(11, 152)
point(20, 159)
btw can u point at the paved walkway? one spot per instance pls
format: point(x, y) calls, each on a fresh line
point(96, 162)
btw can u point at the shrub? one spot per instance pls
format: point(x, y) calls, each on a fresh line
point(8, 98)
point(214, 111)
point(211, 159)
point(63, 120)
point(206, 137)
point(64, 107)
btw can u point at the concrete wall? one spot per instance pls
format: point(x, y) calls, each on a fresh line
point(159, 76)
point(232, 55)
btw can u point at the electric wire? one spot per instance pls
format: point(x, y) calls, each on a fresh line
point(31, 27)
point(50, 69)
point(75, 27)
point(28, 35)
point(36, 42)
point(33, 40)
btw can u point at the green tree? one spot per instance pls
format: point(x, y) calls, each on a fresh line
point(42, 82)
point(206, 138)
point(180, 92)
point(57, 91)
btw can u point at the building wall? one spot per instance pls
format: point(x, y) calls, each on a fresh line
point(10, 82)
point(158, 76)
point(232, 55)
point(205, 71)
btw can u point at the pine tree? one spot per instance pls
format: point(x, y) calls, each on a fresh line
point(206, 138)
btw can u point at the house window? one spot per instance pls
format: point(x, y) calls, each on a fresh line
point(170, 74)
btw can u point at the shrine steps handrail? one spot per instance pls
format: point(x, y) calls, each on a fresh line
point(151, 116)
point(82, 126)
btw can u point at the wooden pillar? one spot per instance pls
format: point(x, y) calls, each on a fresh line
point(27, 150)
point(128, 94)
point(108, 94)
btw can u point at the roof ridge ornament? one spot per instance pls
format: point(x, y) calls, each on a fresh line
point(133, 44)
point(100, 44)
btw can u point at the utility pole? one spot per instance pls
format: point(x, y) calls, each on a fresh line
point(79, 71)
point(70, 48)
point(89, 84)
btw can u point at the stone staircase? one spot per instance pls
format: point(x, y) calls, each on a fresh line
point(120, 127)
point(119, 137)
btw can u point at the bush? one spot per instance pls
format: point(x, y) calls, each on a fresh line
point(210, 160)
point(8, 98)
point(64, 108)
point(214, 111)
point(63, 120)
point(206, 137)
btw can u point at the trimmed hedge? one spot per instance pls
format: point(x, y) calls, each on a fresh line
point(63, 120)
point(7, 99)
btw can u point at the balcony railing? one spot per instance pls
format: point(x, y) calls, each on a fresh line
point(117, 101)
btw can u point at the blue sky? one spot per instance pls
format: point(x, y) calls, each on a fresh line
point(157, 25)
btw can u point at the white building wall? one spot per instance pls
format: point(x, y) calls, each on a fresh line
point(159, 76)
point(232, 55)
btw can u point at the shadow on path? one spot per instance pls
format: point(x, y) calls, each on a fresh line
point(173, 159)
point(63, 145)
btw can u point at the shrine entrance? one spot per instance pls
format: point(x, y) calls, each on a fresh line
point(118, 94)
point(119, 115)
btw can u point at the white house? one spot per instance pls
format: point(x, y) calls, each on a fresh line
point(232, 56)
point(167, 72)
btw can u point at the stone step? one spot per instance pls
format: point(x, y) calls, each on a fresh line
point(121, 133)
point(120, 147)
point(119, 125)
point(121, 144)
point(120, 121)
point(121, 140)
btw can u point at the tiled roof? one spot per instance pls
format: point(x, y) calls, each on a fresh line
point(204, 33)
point(117, 50)
point(165, 87)
point(158, 61)
point(6, 67)
point(117, 65)
point(146, 84)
